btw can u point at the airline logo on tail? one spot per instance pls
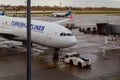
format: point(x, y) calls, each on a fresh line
point(68, 13)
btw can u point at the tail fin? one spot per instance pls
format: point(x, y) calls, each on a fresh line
point(2, 13)
point(68, 13)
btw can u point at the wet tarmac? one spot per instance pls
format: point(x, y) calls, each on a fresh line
point(84, 20)
point(105, 60)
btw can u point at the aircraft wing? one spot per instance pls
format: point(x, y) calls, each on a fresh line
point(61, 21)
point(7, 33)
point(64, 20)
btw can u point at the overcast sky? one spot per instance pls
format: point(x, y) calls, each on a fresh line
point(73, 3)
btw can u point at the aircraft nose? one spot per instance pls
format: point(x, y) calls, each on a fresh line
point(67, 42)
point(73, 41)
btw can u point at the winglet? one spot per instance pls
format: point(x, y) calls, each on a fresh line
point(70, 16)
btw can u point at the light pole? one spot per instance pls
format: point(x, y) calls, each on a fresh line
point(60, 4)
point(25, 8)
point(28, 39)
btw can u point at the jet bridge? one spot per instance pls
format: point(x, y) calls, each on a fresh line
point(108, 29)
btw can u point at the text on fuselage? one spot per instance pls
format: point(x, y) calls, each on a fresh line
point(33, 26)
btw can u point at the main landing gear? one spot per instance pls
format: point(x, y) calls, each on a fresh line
point(55, 54)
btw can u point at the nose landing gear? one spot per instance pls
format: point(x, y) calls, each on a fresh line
point(55, 54)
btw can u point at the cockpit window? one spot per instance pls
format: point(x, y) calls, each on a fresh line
point(66, 34)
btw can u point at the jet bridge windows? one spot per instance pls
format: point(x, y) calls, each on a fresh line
point(66, 34)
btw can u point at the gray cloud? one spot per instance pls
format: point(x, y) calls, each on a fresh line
point(74, 3)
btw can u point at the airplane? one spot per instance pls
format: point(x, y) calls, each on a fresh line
point(48, 34)
point(62, 14)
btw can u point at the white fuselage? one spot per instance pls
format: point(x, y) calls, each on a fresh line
point(58, 14)
point(43, 33)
